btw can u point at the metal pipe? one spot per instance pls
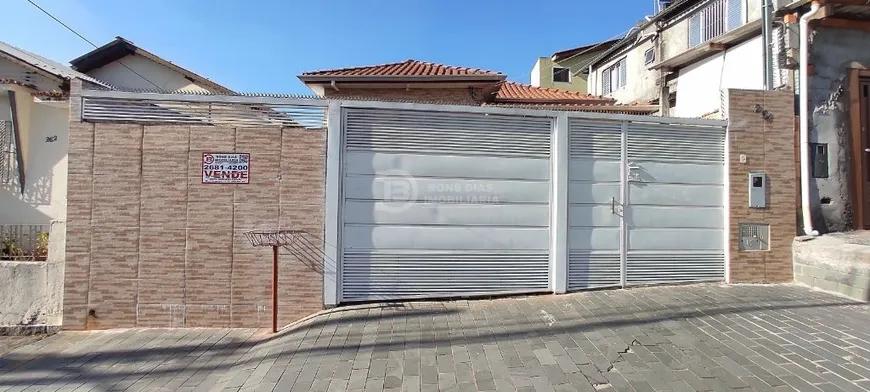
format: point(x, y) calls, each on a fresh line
point(766, 33)
point(804, 111)
point(274, 289)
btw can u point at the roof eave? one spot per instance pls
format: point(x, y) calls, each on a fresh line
point(103, 55)
point(678, 5)
point(399, 78)
point(590, 101)
point(569, 53)
point(120, 47)
point(38, 70)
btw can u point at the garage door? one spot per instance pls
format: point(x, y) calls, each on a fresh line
point(443, 204)
point(646, 203)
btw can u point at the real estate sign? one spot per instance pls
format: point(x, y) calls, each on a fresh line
point(225, 168)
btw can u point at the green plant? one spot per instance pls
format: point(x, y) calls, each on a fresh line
point(11, 249)
point(41, 250)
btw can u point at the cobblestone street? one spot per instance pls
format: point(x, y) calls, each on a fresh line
point(684, 338)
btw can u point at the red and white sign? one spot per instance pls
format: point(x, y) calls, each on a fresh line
point(225, 168)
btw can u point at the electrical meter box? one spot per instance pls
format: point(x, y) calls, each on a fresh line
point(757, 190)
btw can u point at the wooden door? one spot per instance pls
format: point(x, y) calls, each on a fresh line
point(863, 160)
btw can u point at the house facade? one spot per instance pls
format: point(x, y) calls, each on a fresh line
point(34, 133)
point(34, 119)
point(684, 56)
point(421, 81)
point(826, 44)
point(568, 69)
point(688, 53)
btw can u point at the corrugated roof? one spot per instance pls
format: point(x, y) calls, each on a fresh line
point(405, 68)
point(512, 91)
point(52, 67)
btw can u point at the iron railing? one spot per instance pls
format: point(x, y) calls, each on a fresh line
point(23, 242)
point(716, 18)
point(7, 153)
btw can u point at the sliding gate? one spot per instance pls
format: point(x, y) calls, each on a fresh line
point(646, 203)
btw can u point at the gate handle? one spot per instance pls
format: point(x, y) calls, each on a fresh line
point(613, 205)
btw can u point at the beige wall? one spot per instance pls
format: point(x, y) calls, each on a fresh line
point(118, 73)
point(640, 82)
point(149, 245)
point(542, 73)
point(768, 147)
point(674, 39)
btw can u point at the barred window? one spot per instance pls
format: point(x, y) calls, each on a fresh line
point(715, 19)
point(7, 153)
point(614, 77)
point(561, 75)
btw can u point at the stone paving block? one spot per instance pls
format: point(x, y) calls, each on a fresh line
point(828, 387)
point(760, 338)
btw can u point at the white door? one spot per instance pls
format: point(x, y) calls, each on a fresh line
point(594, 203)
point(646, 203)
point(444, 204)
point(675, 215)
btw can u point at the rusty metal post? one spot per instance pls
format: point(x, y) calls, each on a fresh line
point(274, 289)
point(273, 238)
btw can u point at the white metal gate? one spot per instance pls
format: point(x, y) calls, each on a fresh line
point(646, 203)
point(444, 204)
point(438, 201)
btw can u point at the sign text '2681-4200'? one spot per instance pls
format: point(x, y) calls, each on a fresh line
point(225, 168)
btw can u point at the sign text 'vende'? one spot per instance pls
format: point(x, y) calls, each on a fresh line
point(225, 168)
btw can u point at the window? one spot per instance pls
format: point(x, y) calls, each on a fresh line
point(613, 78)
point(649, 56)
point(561, 75)
point(714, 19)
point(7, 153)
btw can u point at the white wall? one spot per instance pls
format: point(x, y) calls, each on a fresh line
point(44, 197)
point(536, 74)
point(118, 75)
point(699, 85)
point(31, 292)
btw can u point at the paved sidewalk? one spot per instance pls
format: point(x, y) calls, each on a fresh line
point(686, 338)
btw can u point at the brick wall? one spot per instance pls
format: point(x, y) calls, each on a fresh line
point(452, 95)
point(149, 245)
point(769, 148)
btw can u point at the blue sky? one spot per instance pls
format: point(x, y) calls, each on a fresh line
point(261, 45)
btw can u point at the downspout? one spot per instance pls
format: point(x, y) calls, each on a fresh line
point(815, 12)
point(766, 26)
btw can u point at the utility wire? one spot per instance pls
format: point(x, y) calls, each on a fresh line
point(119, 60)
point(89, 41)
point(61, 23)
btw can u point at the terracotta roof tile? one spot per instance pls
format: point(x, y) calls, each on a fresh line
point(582, 107)
point(512, 92)
point(405, 68)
